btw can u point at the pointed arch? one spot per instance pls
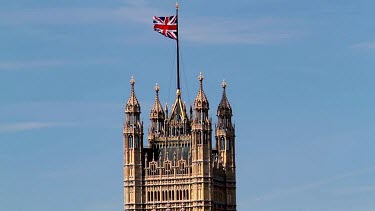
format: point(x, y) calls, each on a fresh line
point(136, 142)
point(130, 141)
point(199, 138)
point(222, 143)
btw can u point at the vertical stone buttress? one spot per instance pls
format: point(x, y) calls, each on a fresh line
point(201, 152)
point(225, 142)
point(133, 146)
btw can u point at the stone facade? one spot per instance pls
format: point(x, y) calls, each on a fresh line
point(179, 169)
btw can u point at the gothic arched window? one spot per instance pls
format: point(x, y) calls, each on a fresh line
point(168, 166)
point(222, 143)
point(205, 137)
point(173, 131)
point(136, 142)
point(199, 140)
point(130, 141)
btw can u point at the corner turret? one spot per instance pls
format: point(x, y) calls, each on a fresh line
point(157, 117)
point(133, 147)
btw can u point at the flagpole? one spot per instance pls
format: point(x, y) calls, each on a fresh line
point(178, 54)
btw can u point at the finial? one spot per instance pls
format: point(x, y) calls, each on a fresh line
point(200, 77)
point(132, 81)
point(176, 5)
point(224, 84)
point(157, 88)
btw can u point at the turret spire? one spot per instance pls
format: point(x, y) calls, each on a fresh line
point(157, 111)
point(132, 106)
point(201, 101)
point(224, 110)
point(157, 116)
point(224, 103)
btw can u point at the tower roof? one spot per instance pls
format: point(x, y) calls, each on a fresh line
point(132, 106)
point(201, 101)
point(178, 109)
point(157, 111)
point(224, 107)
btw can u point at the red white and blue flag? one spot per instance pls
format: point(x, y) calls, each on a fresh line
point(166, 26)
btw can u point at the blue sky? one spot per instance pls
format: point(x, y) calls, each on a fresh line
point(300, 78)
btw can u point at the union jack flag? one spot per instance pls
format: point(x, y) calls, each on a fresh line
point(166, 26)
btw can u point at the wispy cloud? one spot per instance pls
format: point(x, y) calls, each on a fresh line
point(214, 30)
point(32, 64)
point(364, 45)
point(70, 114)
point(133, 11)
point(12, 65)
point(363, 189)
point(202, 29)
point(316, 184)
point(23, 126)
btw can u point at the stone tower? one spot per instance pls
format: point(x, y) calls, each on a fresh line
point(133, 149)
point(180, 169)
